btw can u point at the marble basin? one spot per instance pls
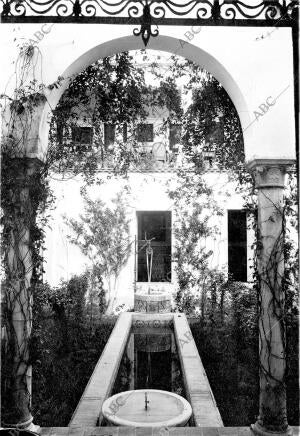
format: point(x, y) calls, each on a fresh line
point(158, 302)
point(164, 409)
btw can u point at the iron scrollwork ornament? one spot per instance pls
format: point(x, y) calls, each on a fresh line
point(149, 13)
point(146, 30)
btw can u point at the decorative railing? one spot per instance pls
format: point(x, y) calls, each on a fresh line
point(158, 9)
point(152, 12)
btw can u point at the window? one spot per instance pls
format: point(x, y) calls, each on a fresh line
point(209, 156)
point(109, 134)
point(82, 137)
point(237, 245)
point(174, 135)
point(155, 226)
point(145, 133)
point(60, 133)
point(125, 133)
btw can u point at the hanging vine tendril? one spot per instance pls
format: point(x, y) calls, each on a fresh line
point(25, 197)
point(272, 285)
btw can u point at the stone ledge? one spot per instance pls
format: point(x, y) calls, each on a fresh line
point(151, 431)
point(102, 379)
point(198, 390)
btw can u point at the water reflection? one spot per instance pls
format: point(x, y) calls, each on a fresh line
point(150, 361)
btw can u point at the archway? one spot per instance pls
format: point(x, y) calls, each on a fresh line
point(166, 59)
point(162, 43)
point(273, 182)
point(269, 173)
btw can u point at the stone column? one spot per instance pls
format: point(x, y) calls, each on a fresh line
point(270, 181)
point(20, 199)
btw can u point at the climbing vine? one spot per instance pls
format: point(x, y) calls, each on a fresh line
point(212, 124)
point(26, 194)
point(25, 198)
point(116, 92)
point(102, 234)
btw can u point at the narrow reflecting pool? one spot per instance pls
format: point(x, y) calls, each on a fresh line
point(150, 361)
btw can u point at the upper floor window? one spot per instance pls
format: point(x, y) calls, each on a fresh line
point(109, 133)
point(145, 133)
point(125, 132)
point(82, 137)
point(209, 156)
point(174, 135)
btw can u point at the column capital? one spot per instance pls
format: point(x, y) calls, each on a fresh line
point(269, 173)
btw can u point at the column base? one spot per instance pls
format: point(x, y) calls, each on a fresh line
point(28, 425)
point(34, 428)
point(258, 430)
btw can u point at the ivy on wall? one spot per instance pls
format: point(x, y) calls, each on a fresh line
point(116, 91)
point(25, 198)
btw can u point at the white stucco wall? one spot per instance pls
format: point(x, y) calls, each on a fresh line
point(253, 71)
point(148, 192)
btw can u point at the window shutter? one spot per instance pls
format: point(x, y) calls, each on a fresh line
point(109, 134)
point(237, 245)
point(174, 135)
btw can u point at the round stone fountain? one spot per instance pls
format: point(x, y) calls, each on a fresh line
point(155, 302)
point(147, 408)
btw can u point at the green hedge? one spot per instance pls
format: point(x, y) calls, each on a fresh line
point(68, 339)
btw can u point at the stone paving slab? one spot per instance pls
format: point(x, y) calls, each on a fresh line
point(132, 431)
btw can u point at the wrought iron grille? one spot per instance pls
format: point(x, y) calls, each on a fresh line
point(283, 11)
point(158, 9)
point(153, 12)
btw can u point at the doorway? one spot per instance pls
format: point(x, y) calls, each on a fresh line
point(154, 226)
